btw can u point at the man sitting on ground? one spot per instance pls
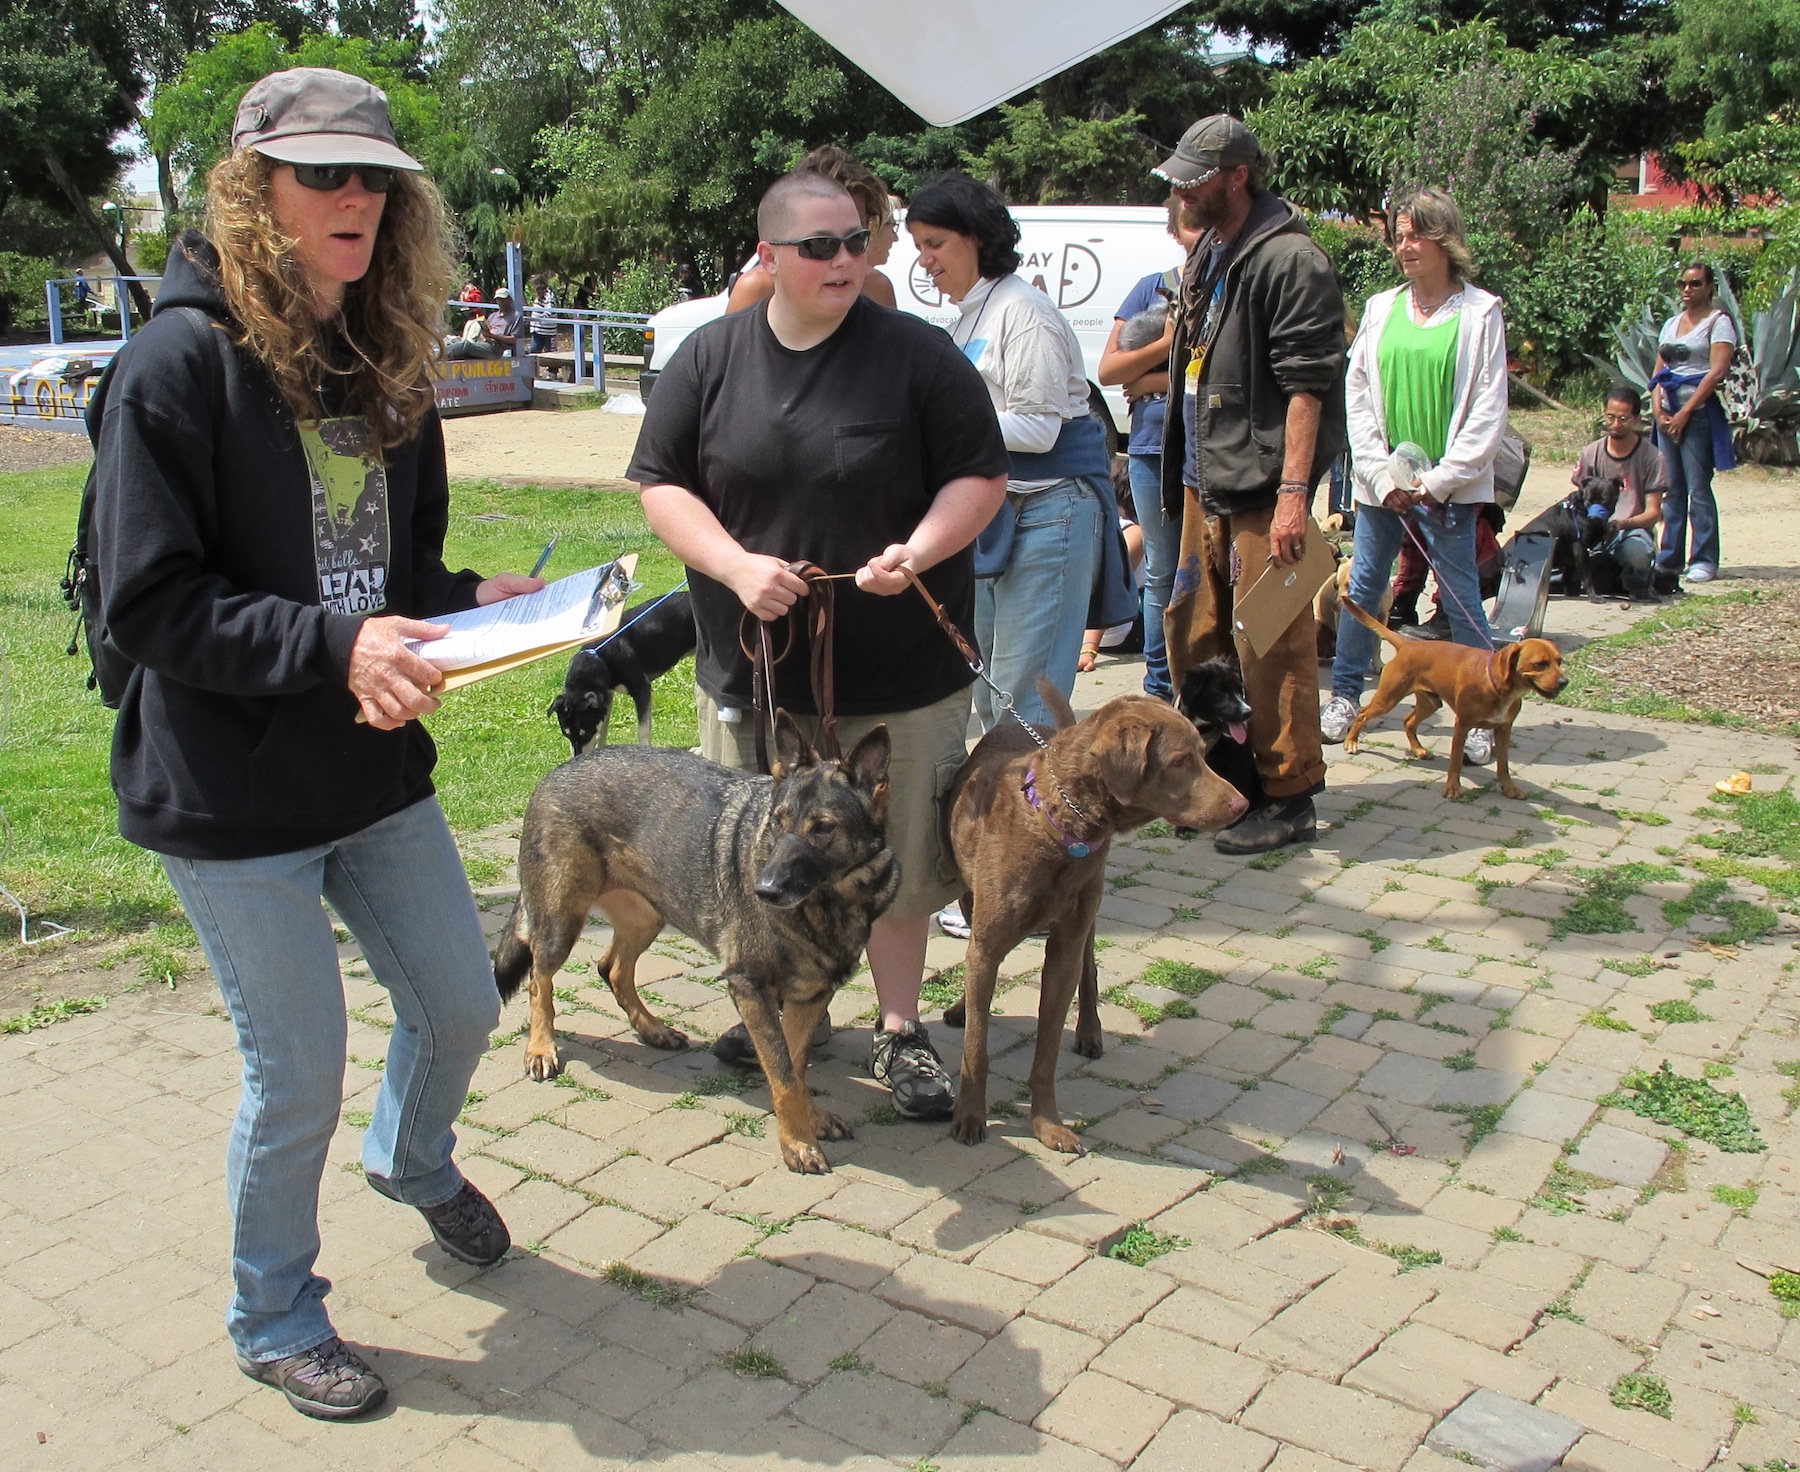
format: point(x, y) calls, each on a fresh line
point(1624, 455)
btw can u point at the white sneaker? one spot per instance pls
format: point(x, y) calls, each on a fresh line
point(1478, 746)
point(950, 921)
point(1700, 573)
point(1335, 719)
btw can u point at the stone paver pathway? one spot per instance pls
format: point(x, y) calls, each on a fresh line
point(1360, 1089)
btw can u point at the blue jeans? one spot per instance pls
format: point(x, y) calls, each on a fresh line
point(1448, 533)
point(1688, 468)
point(1162, 555)
point(1029, 620)
point(399, 886)
point(1635, 550)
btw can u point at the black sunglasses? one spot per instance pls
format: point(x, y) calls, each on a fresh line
point(826, 247)
point(327, 177)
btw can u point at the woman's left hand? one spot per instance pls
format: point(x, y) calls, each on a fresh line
point(504, 585)
point(1676, 425)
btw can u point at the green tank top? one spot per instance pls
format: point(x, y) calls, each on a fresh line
point(1418, 378)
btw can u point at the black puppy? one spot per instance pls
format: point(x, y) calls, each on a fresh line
point(1212, 697)
point(1581, 523)
point(647, 646)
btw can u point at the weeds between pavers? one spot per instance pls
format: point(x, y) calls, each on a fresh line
point(1745, 921)
point(1141, 1246)
point(1408, 1256)
point(1786, 1288)
point(47, 1014)
point(1179, 976)
point(1691, 1105)
point(1739, 1198)
point(1639, 1390)
point(654, 1291)
point(1678, 1009)
point(1600, 910)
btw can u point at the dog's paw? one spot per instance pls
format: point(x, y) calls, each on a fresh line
point(542, 1065)
point(804, 1158)
point(968, 1126)
point(1510, 788)
point(658, 1035)
point(1057, 1136)
point(1090, 1042)
point(829, 1126)
point(957, 1012)
point(1453, 788)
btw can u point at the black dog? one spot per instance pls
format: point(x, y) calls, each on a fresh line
point(1212, 697)
point(647, 646)
point(1581, 523)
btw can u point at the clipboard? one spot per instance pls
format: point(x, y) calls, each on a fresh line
point(1268, 609)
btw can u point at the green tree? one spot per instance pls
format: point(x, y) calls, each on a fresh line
point(67, 87)
point(1738, 58)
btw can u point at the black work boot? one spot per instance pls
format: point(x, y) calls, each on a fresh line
point(1274, 825)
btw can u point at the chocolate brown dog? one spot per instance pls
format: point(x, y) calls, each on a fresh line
point(1031, 830)
point(1481, 689)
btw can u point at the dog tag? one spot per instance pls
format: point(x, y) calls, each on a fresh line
point(1078, 850)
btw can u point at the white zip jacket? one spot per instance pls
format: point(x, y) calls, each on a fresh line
point(1477, 421)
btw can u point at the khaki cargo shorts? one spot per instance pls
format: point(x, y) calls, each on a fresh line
point(929, 745)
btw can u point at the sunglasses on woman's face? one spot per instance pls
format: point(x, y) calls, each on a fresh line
point(327, 177)
point(1694, 282)
point(826, 247)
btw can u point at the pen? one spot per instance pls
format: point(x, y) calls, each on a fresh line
point(544, 556)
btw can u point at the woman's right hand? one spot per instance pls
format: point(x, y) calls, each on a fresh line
point(764, 585)
point(391, 682)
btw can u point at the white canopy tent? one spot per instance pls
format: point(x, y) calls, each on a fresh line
point(950, 59)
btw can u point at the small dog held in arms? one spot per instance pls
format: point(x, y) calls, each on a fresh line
point(1481, 689)
point(1031, 830)
point(647, 646)
point(779, 876)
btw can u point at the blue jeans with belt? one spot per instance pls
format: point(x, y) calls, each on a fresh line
point(1029, 620)
point(1688, 468)
point(1448, 533)
point(400, 888)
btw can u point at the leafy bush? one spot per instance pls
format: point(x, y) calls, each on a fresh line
point(22, 280)
point(1364, 263)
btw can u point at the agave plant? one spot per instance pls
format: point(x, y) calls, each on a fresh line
point(1761, 393)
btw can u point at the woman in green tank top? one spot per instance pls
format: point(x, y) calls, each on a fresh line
point(1427, 370)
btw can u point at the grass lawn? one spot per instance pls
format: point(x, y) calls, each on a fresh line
point(65, 858)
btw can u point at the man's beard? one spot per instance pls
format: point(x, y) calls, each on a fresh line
point(1200, 213)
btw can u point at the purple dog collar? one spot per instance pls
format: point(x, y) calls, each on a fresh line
point(1066, 841)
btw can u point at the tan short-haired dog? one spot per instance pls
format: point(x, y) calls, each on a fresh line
point(1481, 689)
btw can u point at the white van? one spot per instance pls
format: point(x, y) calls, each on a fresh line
point(1083, 258)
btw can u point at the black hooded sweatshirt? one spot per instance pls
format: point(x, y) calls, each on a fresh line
point(239, 552)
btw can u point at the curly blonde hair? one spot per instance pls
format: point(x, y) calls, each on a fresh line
point(391, 319)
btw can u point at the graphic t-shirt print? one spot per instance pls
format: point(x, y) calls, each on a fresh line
point(350, 516)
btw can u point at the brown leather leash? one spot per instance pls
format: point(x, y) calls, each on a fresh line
point(821, 616)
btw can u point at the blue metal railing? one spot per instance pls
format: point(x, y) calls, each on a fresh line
point(590, 326)
point(121, 301)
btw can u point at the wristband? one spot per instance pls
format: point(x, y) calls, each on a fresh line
point(1294, 488)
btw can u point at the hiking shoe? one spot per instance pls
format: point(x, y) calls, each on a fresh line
point(330, 1381)
point(1478, 746)
point(950, 920)
point(735, 1048)
point(1273, 825)
point(907, 1063)
point(1335, 719)
point(466, 1226)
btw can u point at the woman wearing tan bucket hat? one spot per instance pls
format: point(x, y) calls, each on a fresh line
point(270, 521)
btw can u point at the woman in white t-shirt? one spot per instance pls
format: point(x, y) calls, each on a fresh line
point(1053, 545)
point(1693, 356)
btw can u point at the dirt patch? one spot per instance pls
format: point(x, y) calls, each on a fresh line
point(87, 966)
point(1737, 655)
point(40, 449)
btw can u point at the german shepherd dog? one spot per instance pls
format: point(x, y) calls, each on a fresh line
point(647, 646)
point(780, 877)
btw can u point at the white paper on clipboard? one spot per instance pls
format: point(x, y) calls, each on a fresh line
point(560, 611)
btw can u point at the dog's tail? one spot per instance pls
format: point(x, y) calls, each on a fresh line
point(512, 959)
point(1062, 714)
point(1368, 620)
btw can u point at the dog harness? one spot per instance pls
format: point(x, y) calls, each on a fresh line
point(1066, 841)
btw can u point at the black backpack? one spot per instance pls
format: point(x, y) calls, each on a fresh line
point(109, 670)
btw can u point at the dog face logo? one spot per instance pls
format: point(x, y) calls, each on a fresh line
point(350, 515)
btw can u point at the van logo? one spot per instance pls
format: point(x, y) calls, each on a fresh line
point(1075, 269)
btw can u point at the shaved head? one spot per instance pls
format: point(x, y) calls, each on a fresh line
point(775, 215)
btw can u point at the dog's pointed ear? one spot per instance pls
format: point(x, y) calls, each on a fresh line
point(792, 749)
point(867, 767)
point(1123, 758)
